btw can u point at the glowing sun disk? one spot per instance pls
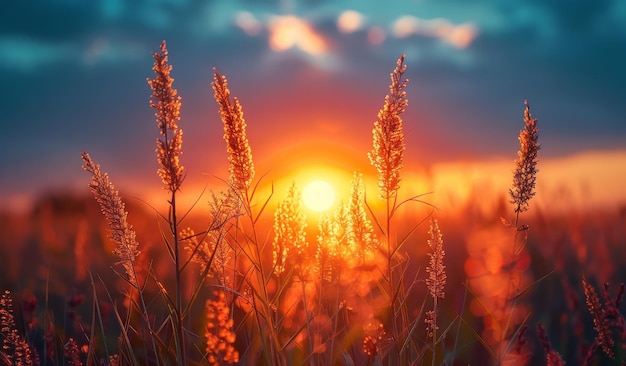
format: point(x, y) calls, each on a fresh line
point(318, 196)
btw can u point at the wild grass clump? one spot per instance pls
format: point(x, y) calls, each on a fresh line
point(242, 292)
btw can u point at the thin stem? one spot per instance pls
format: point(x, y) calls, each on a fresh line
point(263, 283)
point(144, 309)
point(515, 250)
point(434, 330)
point(173, 223)
point(389, 267)
point(179, 320)
point(306, 317)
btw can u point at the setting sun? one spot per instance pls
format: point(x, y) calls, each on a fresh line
point(318, 196)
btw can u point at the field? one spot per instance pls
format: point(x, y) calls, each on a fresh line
point(246, 274)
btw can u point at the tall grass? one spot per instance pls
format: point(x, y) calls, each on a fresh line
point(354, 294)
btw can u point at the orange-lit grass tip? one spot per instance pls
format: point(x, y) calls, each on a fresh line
point(431, 323)
point(526, 170)
point(601, 323)
point(212, 249)
point(289, 230)
point(220, 338)
point(241, 167)
point(375, 334)
point(209, 250)
point(15, 349)
point(362, 232)
point(326, 253)
point(115, 213)
point(436, 280)
point(72, 353)
point(7, 320)
point(166, 101)
point(388, 135)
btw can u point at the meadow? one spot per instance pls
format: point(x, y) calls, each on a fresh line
point(246, 275)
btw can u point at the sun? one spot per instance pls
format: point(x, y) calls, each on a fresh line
point(318, 196)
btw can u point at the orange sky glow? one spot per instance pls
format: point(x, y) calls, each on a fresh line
point(567, 184)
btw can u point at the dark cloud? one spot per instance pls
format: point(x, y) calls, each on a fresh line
point(48, 20)
point(577, 17)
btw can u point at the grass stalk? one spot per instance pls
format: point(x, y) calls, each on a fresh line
point(181, 352)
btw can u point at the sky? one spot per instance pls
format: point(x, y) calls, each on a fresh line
point(311, 76)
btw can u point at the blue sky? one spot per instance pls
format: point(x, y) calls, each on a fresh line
point(73, 77)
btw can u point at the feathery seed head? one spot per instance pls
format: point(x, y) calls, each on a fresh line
point(436, 270)
point(7, 320)
point(212, 249)
point(166, 101)
point(326, 253)
point(431, 323)
point(72, 353)
point(600, 321)
point(115, 213)
point(241, 167)
point(289, 229)
point(388, 135)
point(220, 338)
point(526, 170)
point(15, 348)
point(361, 233)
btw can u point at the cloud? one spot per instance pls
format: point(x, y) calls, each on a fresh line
point(103, 49)
point(350, 21)
point(289, 31)
point(459, 36)
point(247, 22)
point(376, 35)
point(217, 17)
point(26, 54)
point(289, 38)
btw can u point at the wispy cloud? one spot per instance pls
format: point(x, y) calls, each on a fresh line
point(27, 54)
point(290, 31)
point(104, 49)
point(322, 36)
point(459, 36)
point(249, 23)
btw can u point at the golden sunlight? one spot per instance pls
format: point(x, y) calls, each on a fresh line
point(318, 196)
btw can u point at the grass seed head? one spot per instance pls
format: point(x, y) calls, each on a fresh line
point(525, 175)
point(241, 166)
point(388, 136)
point(115, 213)
point(166, 101)
point(436, 280)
